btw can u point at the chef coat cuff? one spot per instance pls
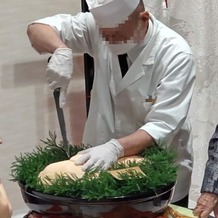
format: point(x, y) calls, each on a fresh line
point(157, 132)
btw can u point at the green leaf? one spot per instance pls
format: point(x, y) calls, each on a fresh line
point(158, 166)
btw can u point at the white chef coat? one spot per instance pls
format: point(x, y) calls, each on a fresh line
point(162, 69)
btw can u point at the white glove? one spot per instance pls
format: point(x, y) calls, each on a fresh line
point(101, 156)
point(59, 71)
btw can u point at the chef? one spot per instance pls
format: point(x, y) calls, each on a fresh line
point(132, 108)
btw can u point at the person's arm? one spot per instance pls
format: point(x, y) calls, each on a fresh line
point(5, 205)
point(206, 204)
point(210, 181)
point(163, 121)
point(44, 38)
point(61, 35)
point(63, 30)
point(103, 156)
point(169, 112)
point(208, 201)
point(140, 139)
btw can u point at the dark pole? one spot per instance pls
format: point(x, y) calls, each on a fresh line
point(84, 6)
point(88, 67)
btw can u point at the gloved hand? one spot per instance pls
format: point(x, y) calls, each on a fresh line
point(101, 156)
point(59, 71)
point(206, 203)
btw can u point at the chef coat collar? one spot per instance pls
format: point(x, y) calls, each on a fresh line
point(134, 53)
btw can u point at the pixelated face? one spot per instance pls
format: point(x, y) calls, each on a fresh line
point(121, 33)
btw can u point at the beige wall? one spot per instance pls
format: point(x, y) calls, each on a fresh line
point(27, 110)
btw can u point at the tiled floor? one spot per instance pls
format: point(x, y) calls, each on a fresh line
point(27, 111)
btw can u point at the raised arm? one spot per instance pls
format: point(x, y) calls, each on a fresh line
point(5, 205)
point(44, 38)
point(61, 35)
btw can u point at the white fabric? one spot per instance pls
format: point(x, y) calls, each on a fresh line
point(159, 9)
point(59, 71)
point(5, 205)
point(74, 28)
point(163, 70)
point(97, 3)
point(110, 13)
point(121, 48)
point(101, 156)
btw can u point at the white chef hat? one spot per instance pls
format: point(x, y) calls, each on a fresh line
point(109, 13)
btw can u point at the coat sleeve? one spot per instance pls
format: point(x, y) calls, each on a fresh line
point(75, 31)
point(174, 93)
point(210, 181)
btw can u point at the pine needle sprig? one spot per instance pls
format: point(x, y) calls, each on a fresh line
point(26, 167)
point(158, 167)
point(52, 144)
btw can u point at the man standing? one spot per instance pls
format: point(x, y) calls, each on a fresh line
point(130, 108)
